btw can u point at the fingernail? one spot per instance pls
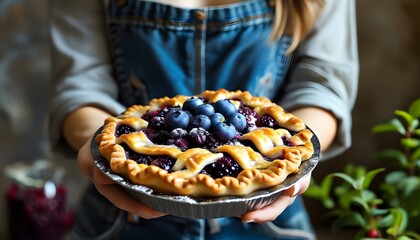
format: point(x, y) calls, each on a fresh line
point(248, 221)
point(296, 189)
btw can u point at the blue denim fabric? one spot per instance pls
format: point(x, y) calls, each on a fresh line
point(160, 50)
point(174, 228)
point(108, 222)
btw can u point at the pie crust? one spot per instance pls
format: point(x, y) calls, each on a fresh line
point(266, 164)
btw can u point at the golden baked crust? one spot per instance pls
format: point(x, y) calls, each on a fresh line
point(265, 163)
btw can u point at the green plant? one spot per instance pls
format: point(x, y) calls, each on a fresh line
point(391, 211)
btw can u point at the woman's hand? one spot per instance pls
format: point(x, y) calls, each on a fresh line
point(286, 198)
point(93, 118)
point(113, 192)
point(78, 128)
point(324, 124)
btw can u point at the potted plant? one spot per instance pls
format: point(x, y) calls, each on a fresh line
point(390, 208)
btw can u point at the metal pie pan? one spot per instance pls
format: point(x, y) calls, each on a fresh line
point(205, 208)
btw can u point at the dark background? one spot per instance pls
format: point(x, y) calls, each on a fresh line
point(389, 50)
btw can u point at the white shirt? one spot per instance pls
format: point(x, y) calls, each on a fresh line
point(196, 3)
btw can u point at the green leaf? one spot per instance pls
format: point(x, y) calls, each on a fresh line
point(321, 192)
point(407, 117)
point(367, 179)
point(395, 177)
point(392, 126)
point(345, 199)
point(395, 154)
point(379, 212)
point(349, 169)
point(352, 219)
point(412, 235)
point(328, 203)
point(347, 179)
point(389, 189)
point(377, 201)
point(359, 172)
point(404, 238)
point(414, 124)
point(368, 196)
point(342, 189)
point(326, 185)
point(385, 222)
point(410, 142)
point(359, 201)
point(400, 222)
point(409, 185)
point(416, 132)
point(415, 156)
point(412, 206)
point(314, 190)
point(414, 109)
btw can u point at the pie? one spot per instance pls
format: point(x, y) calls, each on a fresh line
point(214, 144)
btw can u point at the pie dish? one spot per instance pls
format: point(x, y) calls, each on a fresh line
point(177, 147)
point(204, 208)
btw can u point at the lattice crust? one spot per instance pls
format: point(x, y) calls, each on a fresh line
point(266, 164)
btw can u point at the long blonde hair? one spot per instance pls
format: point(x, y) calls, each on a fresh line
point(295, 17)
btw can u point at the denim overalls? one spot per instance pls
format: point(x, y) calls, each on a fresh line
point(161, 50)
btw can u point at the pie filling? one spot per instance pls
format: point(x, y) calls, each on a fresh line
point(217, 143)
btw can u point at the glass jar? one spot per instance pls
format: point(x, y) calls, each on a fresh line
point(37, 201)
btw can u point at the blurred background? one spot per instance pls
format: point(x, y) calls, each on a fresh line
point(388, 32)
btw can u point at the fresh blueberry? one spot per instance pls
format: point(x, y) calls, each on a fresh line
point(202, 121)
point(176, 119)
point(163, 111)
point(204, 109)
point(172, 110)
point(225, 107)
point(178, 133)
point(191, 104)
point(198, 136)
point(238, 121)
point(190, 115)
point(216, 117)
point(224, 131)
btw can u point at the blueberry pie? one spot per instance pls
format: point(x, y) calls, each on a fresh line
point(217, 143)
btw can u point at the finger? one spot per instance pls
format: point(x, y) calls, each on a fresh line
point(122, 200)
point(273, 210)
point(269, 212)
point(100, 178)
point(113, 192)
point(84, 160)
point(302, 185)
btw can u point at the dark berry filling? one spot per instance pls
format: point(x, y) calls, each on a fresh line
point(130, 153)
point(250, 116)
point(164, 162)
point(197, 137)
point(164, 128)
point(225, 166)
point(266, 121)
point(123, 129)
point(287, 142)
point(157, 122)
